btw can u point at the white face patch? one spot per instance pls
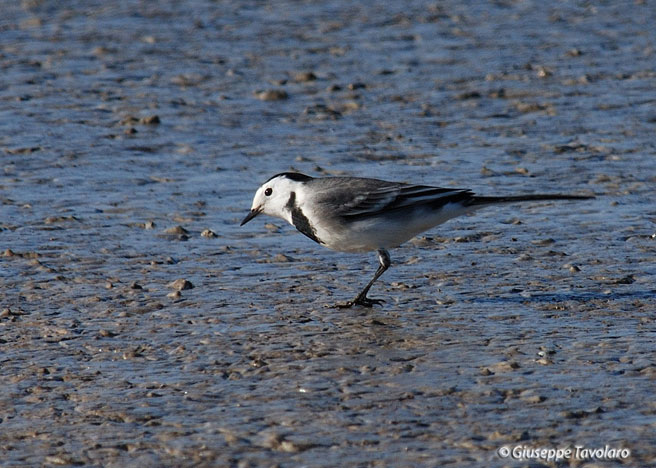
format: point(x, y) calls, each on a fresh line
point(272, 197)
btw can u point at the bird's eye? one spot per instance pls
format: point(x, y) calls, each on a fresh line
point(268, 191)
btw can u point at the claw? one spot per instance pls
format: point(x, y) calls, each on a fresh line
point(364, 302)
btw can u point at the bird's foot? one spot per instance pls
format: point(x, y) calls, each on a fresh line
point(360, 301)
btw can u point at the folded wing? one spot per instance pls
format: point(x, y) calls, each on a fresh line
point(360, 198)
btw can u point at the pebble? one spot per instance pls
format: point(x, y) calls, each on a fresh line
point(177, 231)
point(129, 120)
point(59, 219)
point(543, 242)
point(60, 460)
point(322, 112)
point(468, 95)
point(180, 284)
point(628, 279)
point(150, 120)
point(208, 233)
point(574, 52)
point(530, 396)
point(174, 295)
point(356, 85)
point(304, 77)
point(504, 366)
point(545, 361)
point(272, 95)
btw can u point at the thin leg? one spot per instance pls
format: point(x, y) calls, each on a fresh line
point(362, 299)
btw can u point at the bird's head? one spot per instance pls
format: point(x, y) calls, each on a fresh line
point(274, 195)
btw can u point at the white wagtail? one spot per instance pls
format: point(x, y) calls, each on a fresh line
point(353, 214)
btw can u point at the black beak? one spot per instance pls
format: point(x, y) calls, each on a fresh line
point(252, 214)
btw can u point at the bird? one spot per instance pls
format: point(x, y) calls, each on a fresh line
point(358, 214)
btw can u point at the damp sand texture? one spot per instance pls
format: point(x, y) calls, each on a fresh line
point(141, 326)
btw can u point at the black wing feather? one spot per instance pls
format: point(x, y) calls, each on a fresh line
point(361, 198)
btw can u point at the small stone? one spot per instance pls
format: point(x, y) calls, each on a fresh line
point(180, 284)
point(258, 362)
point(8, 253)
point(58, 460)
point(322, 112)
point(272, 95)
point(504, 366)
point(497, 93)
point(272, 440)
point(288, 446)
point(174, 295)
point(530, 396)
point(129, 120)
point(59, 219)
point(135, 285)
point(574, 52)
point(356, 85)
point(149, 225)
point(208, 233)
point(574, 269)
point(468, 95)
point(177, 230)
point(547, 241)
point(304, 77)
point(628, 279)
point(543, 72)
point(350, 106)
point(150, 120)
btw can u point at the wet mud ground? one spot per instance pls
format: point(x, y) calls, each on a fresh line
point(132, 138)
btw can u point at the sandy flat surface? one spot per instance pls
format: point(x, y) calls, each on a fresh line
point(133, 137)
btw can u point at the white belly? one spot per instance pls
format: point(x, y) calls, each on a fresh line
point(385, 232)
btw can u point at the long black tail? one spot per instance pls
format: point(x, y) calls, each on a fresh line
point(475, 200)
